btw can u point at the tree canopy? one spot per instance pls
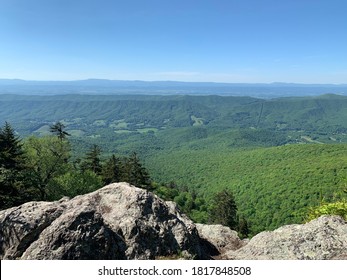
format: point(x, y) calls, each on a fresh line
point(12, 164)
point(224, 209)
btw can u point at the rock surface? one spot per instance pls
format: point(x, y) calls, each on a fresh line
point(222, 239)
point(322, 239)
point(116, 222)
point(120, 221)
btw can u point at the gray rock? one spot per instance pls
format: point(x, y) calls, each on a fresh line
point(222, 238)
point(118, 221)
point(321, 239)
point(20, 226)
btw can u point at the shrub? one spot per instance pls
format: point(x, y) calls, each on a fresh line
point(335, 208)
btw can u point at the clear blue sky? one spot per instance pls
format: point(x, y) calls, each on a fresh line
point(186, 40)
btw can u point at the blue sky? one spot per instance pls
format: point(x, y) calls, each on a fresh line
point(252, 41)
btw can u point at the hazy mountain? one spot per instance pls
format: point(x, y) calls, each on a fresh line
point(103, 86)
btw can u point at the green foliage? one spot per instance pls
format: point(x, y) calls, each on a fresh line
point(73, 183)
point(188, 202)
point(11, 152)
point(243, 228)
point(224, 210)
point(12, 162)
point(185, 201)
point(135, 173)
point(126, 169)
point(112, 170)
point(58, 129)
point(47, 158)
point(207, 143)
point(92, 160)
point(42, 170)
point(334, 208)
point(272, 186)
point(320, 117)
point(166, 192)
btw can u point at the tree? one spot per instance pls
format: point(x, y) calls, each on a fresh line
point(11, 152)
point(12, 163)
point(74, 183)
point(47, 159)
point(332, 208)
point(92, 160)
point(224, 209)
point(58, 129)
point(135, 174)
point(243, 228)
point(112, 170)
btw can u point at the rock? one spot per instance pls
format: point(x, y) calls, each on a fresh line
point(321, 239)
point(222, 239)
point(118, 221)
point(19, 226)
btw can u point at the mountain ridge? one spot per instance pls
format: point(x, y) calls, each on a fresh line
point(97, 81)
point(115, 87)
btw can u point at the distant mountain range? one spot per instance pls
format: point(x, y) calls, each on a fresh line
point(106, 82)
point(103, 86)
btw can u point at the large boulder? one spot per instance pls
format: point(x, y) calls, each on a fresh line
point(321, 239)
point(118, 221)
point(20, 226)
point(218, 239)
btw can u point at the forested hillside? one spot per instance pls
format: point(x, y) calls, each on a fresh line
point(272, 186)
point(277, 156)
point(303, 119)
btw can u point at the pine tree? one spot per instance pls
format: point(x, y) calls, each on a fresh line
point(112, 171)
point(12, 163)
point(11, 153)
point(135, 174)
point(92, 160)
point(58, 129)
point(243, 228)
point(224, 209)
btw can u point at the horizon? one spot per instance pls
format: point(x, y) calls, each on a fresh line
point(224, 41)
point(174, 81)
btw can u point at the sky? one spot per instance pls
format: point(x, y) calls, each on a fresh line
point(234, 41)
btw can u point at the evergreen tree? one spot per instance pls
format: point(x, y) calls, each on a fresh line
point(92, 160)
point(135, 174)
point(112, 171)
point(224, 209)
point(243, 228)
point(58, 129)
point(11, 152)
point(12, 163)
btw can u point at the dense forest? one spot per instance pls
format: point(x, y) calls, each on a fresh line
point(272, 186)
point(321, 118)
point(269, 161)
point(40, 168)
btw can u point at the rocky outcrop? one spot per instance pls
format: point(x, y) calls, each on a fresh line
point(118, 221)
point(322, 239)
point(218, 239)
point(20, 226)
